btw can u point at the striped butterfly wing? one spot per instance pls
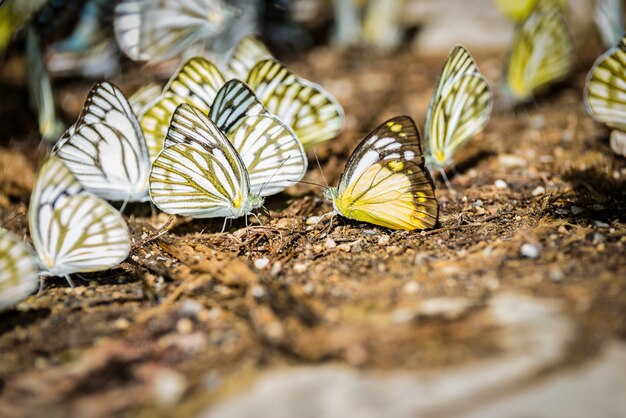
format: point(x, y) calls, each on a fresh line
point(271, 152)
point(456, 117)
point(234, 101)
point(105, 149)
point(18, 270)
point(157, 31)
point(73, 231)
point(199, 173)
point(140, 99)
point(605, 91)
point(609, 18)
point(385, 181)
point(40, 89)
point(196, 82)
point(542, 52)
point(246, 54)
point(313, 114)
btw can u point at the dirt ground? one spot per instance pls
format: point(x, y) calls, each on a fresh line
point(194, 316)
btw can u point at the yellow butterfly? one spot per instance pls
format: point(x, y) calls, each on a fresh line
point(385, 181)
point(518, 10)
point(605, 97)
point(542, 52)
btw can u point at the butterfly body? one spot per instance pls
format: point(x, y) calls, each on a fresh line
point(385, 181)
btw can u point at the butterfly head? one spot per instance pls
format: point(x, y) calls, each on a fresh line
point(331, 194)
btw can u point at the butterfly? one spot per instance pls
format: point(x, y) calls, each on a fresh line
point(385, 181)
point(518, 10)
point(313, 114)
point(609, 18)
point(205, 171)
point(542, 52)
point(72, 230)
point(40, 89)
point(105, 149)
point(459, 108)
point(145, 95)
point(18, 270)
point(605, 93)
point(157, 31)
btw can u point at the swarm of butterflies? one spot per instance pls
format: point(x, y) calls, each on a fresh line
point(215, 141)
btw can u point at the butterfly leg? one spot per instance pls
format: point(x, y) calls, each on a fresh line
point(444, 176)
point(224, 226)
point(69, 280)
point(121, 210)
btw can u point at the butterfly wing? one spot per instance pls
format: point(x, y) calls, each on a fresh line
point(609, 20)
point(234, 101)
point(385, 181)
point(73, 231)
point(140, 99)
point(40, 89)
point(198, 173)
point(160, 30)
point(457, 116)
point(105, 149)
point(18, 270)
point(605, 91)
point(271, 152)
point(246, 54)
point(313, 114)
point(542, 52)
point(515, 10)
point(196, 82)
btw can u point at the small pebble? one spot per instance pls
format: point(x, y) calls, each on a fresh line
point(477, 204)
point(576, 210)
point(539, 190)
point(561, 211)
point(300, 268)
point(190, 307)
point(411, 288)
point(313, 220)
point(257, 292)
point(184, 326)
point(500, 184)
point(598, 237)
point(383, 240)
point(276, 268)
point(511, 161)
point(261, 263)
point(330, 243)
point(600, 224)
point(530, 251)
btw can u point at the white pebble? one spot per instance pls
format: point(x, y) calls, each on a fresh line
point(500, 184)
point(261, 263)
point(576, 210)
point(530, 251)
point(539, 190)
point(330, 243)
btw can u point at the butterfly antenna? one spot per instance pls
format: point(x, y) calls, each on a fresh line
point(272, 176)
point(320, 167)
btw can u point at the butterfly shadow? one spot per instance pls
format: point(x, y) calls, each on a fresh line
point(601, 197)
point(12, 318)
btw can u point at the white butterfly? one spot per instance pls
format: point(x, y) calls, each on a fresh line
point(205, 173)
point(105, 149)
point(609, 17)
point(40, 89)
point(459, 108)
point(309, 110)
point(72, 230)
point(149, 30)
point(18, 270)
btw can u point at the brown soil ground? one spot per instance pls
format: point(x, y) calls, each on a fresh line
point(190, 301)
